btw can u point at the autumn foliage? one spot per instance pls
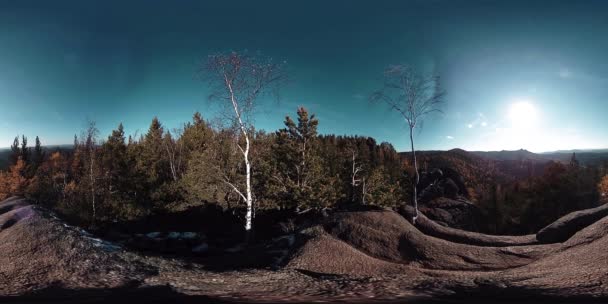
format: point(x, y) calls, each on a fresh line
point(124, 178)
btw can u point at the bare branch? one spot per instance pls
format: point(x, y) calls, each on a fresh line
point(413, 96)
point(227, 182)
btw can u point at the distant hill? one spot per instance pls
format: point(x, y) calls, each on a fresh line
point(584, 157)
point(578, 151)
point(480, 168)
point(512, 155)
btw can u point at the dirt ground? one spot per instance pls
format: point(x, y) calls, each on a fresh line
point(351, 257)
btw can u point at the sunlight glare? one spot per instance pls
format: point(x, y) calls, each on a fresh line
point(522, 114)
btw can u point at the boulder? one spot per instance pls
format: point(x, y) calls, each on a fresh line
point(39, 250)
point(444, 182)
point(565, 227)
point(455, 213)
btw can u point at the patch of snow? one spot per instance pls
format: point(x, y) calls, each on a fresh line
point(153, 235)
point(189, 235)
point(105, 245)
point(201, 248)
point(236, 248)
point(174, 235)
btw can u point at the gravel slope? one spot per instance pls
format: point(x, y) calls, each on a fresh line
point(371, 256)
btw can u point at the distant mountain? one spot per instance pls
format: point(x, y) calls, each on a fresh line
point(577, 151)
point(475, 170)
point(512, 155)
point(597, 157)
point(584, 157)
point(479, 167)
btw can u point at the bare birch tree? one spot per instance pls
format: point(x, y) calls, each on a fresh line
point(413, 96)
point(237, 80)
point(89, 144)
point(174, 147)
point(355, 180)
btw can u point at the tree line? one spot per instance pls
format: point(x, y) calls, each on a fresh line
point(526, 205)
point(123, 178)
point(235, 163)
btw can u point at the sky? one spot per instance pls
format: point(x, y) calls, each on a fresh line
point(518, 74)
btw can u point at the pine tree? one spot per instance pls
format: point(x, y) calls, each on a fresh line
point(38, 152)
point(299, 163)
point(114, 161)
point(573, 161)
point(15, 151)
point(37, 158)
point(152, 161)
point(25, 150)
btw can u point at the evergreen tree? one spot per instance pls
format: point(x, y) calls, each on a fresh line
point(152, 161)
point(37, 158)
point(15, 151)
point(38, 152)
point(25, 150)
point(298, 160)
point(114, 162)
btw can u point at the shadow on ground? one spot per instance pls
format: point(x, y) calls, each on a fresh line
point(57, 294)
point(166, 294)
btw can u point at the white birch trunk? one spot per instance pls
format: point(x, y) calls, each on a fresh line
point(415, 184)
point(249, 199)
point(92, 179)
point(248, 196)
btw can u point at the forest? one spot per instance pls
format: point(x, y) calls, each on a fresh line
point(123, 178)
point(246, 172)
point(119, 178)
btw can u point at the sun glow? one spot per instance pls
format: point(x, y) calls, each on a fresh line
point(523, 128)
point(523, 114)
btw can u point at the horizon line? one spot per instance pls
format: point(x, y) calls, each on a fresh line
point(425, 150)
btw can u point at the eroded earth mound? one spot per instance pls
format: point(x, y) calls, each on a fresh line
point(361, 256)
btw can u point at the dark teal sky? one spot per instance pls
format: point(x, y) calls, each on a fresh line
point(62, 62)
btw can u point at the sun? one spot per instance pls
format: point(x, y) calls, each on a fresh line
point(522, 114)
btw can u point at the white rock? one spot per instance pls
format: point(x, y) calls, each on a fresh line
point(201, 248)
point(174, 235)
point(189, 235)
point(153, 235)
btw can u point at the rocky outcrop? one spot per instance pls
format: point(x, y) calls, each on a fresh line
point(444, 182)
point(455, 213)
point(388, 236)
point(373, 254)
point(565, 227)
point(37, 250)
point(431, 228)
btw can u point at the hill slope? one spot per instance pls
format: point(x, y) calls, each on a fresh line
point(371, 255)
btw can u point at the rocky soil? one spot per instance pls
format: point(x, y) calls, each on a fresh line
point(363, 256)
